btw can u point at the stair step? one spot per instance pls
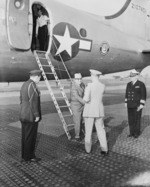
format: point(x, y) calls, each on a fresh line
point(67, 115)
point(42, 58)
point(49, 73)
point(45, 65)
point(64, 106)
point(59, 69)
point(70, 125)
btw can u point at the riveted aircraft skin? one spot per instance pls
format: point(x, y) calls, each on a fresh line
point(82, 40)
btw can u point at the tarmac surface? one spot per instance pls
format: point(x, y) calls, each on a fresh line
point(64, 162)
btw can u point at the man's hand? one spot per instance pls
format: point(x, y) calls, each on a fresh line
point(37, 119)
point(140, 107)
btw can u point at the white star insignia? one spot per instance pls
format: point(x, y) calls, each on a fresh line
point(66, 42)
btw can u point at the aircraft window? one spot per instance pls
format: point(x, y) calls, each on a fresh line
point(83, 32)
point(19, 4)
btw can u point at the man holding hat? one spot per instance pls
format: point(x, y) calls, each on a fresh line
point(77, 102)
point(135, 98)
point(30, 115)
point(93, 112)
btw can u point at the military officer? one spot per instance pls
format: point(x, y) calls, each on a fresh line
point(93, 112)
point(30, 115)
point(135, 98)
point(77, 102)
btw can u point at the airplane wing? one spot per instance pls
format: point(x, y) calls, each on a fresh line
point(146, 51)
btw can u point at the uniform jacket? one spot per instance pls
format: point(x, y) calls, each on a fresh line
point(29, 102)
point(93, 96)
point(135, 94)
point(77, 92)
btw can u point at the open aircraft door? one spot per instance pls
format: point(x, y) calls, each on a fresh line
point(18, 26)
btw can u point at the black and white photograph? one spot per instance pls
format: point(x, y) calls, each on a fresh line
point(75, 93)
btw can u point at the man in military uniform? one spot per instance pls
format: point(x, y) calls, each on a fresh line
point(77, 103)
point(30, 115)
point(135, 98)
point(93, 112)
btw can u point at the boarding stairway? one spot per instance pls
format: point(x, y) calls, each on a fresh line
point(50, 72)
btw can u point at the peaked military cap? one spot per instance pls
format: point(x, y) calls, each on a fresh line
point(35, 72)
point(95, 72)
point(133, 73)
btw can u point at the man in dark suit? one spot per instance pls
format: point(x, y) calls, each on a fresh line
point(135, 99)
point(30, 115)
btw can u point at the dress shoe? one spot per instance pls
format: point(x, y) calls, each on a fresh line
point(130, 135)
point(35, 159)
point(135, 136)
point(76, 139)
point(87, 152)
point(104, 153)
point(87, 147)
point(24, 161)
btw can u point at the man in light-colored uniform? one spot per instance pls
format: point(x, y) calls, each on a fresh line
point(93, 112)
point(77, 102)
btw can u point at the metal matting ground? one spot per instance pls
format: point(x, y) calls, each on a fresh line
point(65, 163)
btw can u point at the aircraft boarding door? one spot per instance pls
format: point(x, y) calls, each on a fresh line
point(18, 24)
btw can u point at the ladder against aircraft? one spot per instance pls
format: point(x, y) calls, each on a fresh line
point(61, 102)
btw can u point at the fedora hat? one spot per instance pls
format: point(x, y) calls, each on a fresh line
point(77, 76)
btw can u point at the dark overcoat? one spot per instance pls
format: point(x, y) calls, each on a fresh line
point(29, 102)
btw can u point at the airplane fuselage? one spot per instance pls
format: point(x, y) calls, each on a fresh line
point(81, 39)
